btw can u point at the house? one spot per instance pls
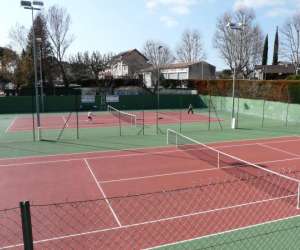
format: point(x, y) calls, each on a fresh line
point(180, 71)
point(126, 65)
point(274, 72)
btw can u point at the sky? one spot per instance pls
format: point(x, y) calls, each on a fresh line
point(119, 25)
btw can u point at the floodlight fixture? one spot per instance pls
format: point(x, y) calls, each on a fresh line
point(26, 4)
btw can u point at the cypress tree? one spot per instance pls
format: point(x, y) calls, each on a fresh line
point(265, 52)
point(276, 48)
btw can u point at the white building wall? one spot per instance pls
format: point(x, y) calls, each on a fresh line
point(119, 70)
point(147, 79)
point(176, 74)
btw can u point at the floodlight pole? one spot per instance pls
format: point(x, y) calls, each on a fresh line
point(158, 85)
point(29, 6)
point(235, 27)
point(158, 79)
point(37, 101)
point(41, 73)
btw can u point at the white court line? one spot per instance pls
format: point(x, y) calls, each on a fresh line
point(11, 124)
point(117, 156)
point(253, 144)
point(92, 158)
point(162, 175)
point(103, 193)
point(278, 149)
point(160, 220)
point(191, 171)
point(225, 232)
point(147, 148)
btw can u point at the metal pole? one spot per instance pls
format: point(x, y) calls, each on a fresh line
point(233, 99)
point(32, 113)
point(158, 84)
point(41, 80)
point(26, 225)
point(77, 115)
point(37, 103)
point(158, 101)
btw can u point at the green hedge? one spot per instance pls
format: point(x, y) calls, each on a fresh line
point(280, 90)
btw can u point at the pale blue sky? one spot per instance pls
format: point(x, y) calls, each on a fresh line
point(118, 25)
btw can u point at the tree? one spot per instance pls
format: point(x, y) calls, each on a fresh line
point(88, 66)
point(290, 46)
point(17, 37)
point(265, 51)
point(58, 23)
point(8, 63)
point(240, 49)
point(191, 48)
point(23, 72)
point(158, 53)
point(276, 49)
point(43, 51)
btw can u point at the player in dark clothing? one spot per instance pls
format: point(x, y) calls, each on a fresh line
point(191, 110)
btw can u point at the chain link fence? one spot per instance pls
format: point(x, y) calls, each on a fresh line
point(249, 209)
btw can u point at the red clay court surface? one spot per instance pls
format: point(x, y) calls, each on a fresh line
point(106, 120)
point(127, 223)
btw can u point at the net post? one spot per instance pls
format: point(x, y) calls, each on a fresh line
point(176, 140)
point(209, 111)
point(39, 134)
point(298, 196)
point(263, 114)
point(26, 225)
point(77, 116)
point(218, 160)
point(168, 136)
point(120, 124)
point(143, 120)
point(33, 119)
point(180, 115)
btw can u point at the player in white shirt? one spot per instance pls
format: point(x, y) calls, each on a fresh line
point(90, 116)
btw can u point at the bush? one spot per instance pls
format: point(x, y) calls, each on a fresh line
point(281, 90)
point(294, 77)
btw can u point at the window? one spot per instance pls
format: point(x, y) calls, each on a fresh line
point(173, 76)
point(182, 76)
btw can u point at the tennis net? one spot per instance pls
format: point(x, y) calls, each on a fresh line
point(242, 169)
point(126, 117)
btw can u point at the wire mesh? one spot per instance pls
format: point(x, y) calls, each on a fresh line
point(239, 211)
point(10, 228)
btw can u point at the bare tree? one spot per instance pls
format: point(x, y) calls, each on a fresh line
point(158, 53)
point(290, 45)
point(89, 65)
point(240, 49)
point(18, 37)
point(190, 49)
point(58, 22)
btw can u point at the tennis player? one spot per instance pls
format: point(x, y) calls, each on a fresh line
point(191, 110)
point(90, 116)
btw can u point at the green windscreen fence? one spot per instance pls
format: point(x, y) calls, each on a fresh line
point(23, 104)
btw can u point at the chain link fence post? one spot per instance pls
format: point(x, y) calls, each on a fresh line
point(26, 225)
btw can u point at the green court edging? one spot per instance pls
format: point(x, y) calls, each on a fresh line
point(279, 234)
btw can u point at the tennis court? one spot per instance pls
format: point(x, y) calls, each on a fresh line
point(103, 119)
point(151, 198)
